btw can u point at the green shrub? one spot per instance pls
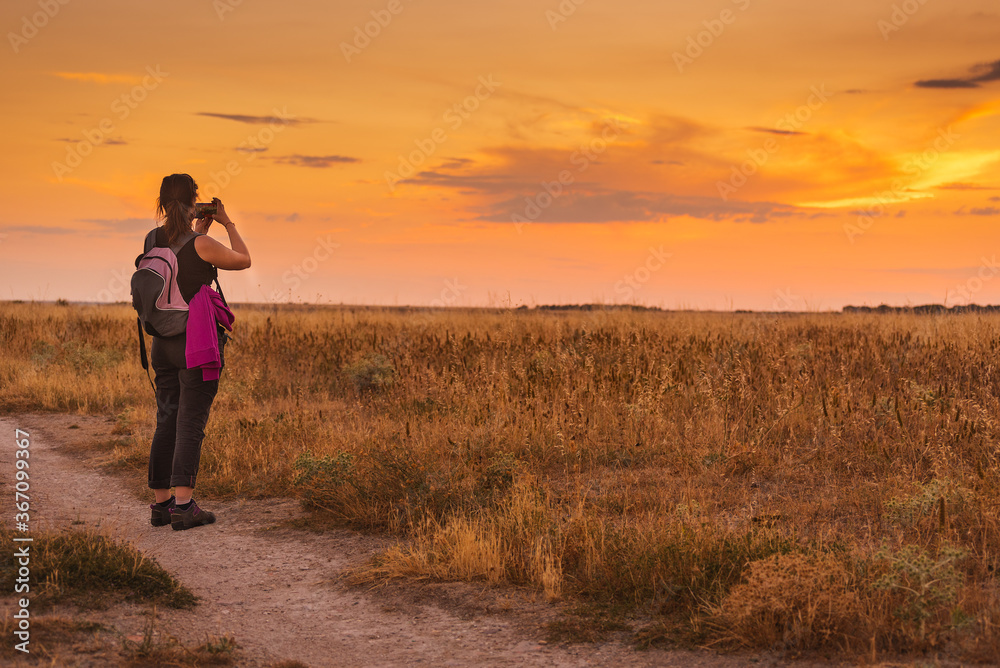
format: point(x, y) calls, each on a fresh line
point(371, 373)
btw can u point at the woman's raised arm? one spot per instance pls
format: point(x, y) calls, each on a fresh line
point(210, 250)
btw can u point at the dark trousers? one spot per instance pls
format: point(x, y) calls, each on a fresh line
point(183, 401)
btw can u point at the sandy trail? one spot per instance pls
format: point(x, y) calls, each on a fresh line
point(276, 590)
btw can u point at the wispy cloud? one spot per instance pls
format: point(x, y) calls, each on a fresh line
point(120, 225)
point(455, 163)
point(293, 217)
point(945, 83)
point(600, 205)
point(259, 120)
point(590, 202)
point(964, 186)
point(775, 131)
point(90, 227)
point(990, 72)
point(979, 211)
point(931, 271)
point(105, 142)
point(655, 169)
point(98, 77)
point(37, 229)
point(982, 73)
point(317, 161)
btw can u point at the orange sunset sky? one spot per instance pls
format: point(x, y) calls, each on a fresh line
point(725, 154)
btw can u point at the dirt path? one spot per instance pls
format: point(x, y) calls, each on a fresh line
point(276, 590)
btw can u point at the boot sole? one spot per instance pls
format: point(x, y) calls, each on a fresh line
point(180, 526)
point(160, 521)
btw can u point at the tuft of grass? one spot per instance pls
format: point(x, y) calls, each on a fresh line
point(47, 633)
point(215, 651)
point(517, 541)
point(588, 624)
point(90, 569)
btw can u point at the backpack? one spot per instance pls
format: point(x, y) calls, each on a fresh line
point(156, 297)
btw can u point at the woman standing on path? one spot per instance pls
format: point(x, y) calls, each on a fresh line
point(184, 395)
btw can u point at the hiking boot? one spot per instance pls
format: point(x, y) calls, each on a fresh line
point(160, 516)
point(190, 518)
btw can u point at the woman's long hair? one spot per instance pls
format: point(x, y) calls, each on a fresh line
point(173, 206)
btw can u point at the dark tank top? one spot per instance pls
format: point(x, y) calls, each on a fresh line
point(192, 271)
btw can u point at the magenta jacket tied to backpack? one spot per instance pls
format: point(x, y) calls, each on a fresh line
point(206, 309)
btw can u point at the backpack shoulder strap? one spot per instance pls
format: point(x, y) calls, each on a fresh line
point(142, 353)
point(150, 241)
point(176, 248)
point(218, 288)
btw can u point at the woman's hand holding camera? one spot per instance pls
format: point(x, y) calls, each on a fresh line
point(220, 212)
point(220, 216)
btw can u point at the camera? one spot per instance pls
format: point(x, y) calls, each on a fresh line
point(204, 209)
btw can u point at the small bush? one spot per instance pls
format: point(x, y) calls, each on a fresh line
point(931, 499)
point(386, 488)
point(371, 373)
point(499, 474)
point(800, 601)
point(923, 588)
point(42, 353)
point(320, 481)
point(86, 358)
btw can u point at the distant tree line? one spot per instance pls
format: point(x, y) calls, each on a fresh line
point(924, 308)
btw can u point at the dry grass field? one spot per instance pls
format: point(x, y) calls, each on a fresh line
point(809, 482)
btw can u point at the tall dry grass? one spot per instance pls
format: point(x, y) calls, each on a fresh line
point(805, 481)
